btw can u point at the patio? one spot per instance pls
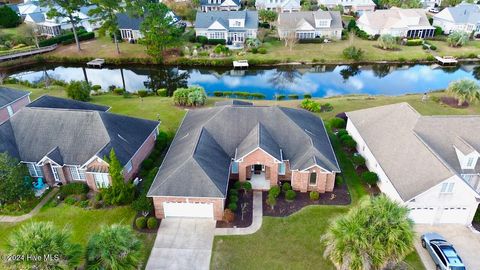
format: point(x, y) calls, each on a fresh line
point(259, 182)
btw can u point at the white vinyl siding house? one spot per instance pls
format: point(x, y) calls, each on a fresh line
point(463, 17)
point(310, 24)
point(278, 5)
point(232, 26)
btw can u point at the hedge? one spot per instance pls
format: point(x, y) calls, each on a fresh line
point(216, 41)
point(414, 42)
point(82, 35)
point(74, 188)
point(310, 40)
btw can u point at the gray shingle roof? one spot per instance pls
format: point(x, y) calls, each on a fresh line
point(37, 17)
point(463, 13)
point(72, 137)
point(47, 101)
point(205, 3)
point(8, 95)
point(205, 19)
point(399, 138)
point(208, 139)
point(293, 20)
point(128, 22)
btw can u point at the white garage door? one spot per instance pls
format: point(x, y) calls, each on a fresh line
point(203, 210)
point(422, 214)
point(454, 215)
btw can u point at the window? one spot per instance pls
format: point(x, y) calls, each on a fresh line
point(34, 170)
point(447, 188)
point(56, 175)
point(10, 110)
point(234, 167)
point(313, 179)
point(281, 168)
point(470, 162)
point(76, 173)
point(129, 166)
point(101, 180)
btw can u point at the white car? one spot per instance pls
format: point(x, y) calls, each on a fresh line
point(433, 10)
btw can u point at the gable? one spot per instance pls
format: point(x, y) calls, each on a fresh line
point(303, 25)
point(229, 3)
point(216, 25)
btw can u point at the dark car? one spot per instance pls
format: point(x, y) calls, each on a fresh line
point(442, 252)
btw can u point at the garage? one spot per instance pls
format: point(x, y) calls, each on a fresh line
point(197, 210)
point(422, 214)
point(454, 215)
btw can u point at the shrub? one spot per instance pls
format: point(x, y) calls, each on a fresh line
point(310, 40)
point(76, 188)
point(293, 96)
point(345, 137)
point(337, 123)
point(414, 42)
point(232, 206)
point(457, 39)
point(96, 87)
point(310, 105)
point(290, 195)
point(141, 222)
point(286, 187)
point(118, 91)
point(147, 164)
point(271, 201)
point(233, 192)
point(262, 50)
point(338, 180)
point(70, 200)
point(314, 195)
point(218, 93)
point(280, 97)
point(202, 39)
point(353, 53)
point(233, 198)
point(143, 204)
point(84, 203)
point(307, 96)
point(358, 161)
point(162, 92)
point(78, 90)
point(216, 41)
point(438, 31)
point(387, 42)
point(228, 215)
point(274, 191)
point(192, 96)
point(237, 185)
point(342, 132)
point(326, 107)
point(142, 93)
point(221, 49)
point(247, 186)
point(8, 17)
point(370, 178)
point(152, 223)
point(350, 143)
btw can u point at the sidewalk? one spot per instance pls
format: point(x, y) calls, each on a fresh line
point(15, 219)
point(256, 222)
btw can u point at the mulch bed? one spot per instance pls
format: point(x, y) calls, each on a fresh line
point(476, 226)
point(247, 216)
point(453, 102)
point(339, 196)
point(145, 230)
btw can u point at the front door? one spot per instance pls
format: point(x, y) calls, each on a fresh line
point(258, 168)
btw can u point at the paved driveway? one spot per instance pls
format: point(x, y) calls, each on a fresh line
point(463, 239)
point(183, 243)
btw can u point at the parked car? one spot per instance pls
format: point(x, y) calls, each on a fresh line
point(433, 10)
point(443, 254)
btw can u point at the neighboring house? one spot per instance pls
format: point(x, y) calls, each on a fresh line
point(233, 26)
point(357, 6)
point(464, 17)
point(427, 163)
point(278, 5)
point(65, 145)
point(47, 101)
point(431, 3)
point(11, 101)
point(259, 144)
point(310, 24)
point(409, 23)
point(130, 26)
point(219, 5)
point(52, 27)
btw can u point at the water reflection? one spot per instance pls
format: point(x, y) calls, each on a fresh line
point(320, 81)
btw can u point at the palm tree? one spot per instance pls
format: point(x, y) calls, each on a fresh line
point(375, 234)
point(457, 38)
point(464, 90)
point(114, 247)
point(41, 240)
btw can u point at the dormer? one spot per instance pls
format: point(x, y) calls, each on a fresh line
point(236, 23)
point(323, 19)
point(323, 23)
point(467, 155)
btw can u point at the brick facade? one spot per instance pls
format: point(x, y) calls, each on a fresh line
point(218, 204)
point(141, 155)
point(325, 180)
point(16, 106)
point(259, 157)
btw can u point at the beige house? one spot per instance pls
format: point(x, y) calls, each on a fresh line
point(310, 24)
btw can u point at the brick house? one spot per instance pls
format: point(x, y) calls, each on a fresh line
point(238, 141)
point(66, 145)
point(11, 101)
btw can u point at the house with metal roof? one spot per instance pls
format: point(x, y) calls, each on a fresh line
point(232, 26)
point(68, 145)
point(428, 163)
point(278, 5)
point(398, 22)
point(310, 24)
point(11, 101)
point(463, 17)
point(262, 145)
point(219, 5)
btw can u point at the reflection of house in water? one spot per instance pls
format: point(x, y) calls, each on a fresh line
point(237, 72)
point(320, 69)
point(468, 67)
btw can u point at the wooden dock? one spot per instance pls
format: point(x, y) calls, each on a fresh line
point(27, 53)
point(240, 64)
point(96, 63)
point(446, 60)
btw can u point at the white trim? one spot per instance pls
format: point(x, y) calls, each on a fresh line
point(91, 160)
point(331, 146)
point(316, 179)
point(26, 95)
point(103, 179)
point(186, 197)
point(258, 148)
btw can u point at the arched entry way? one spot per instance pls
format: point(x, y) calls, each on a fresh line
point(258, 176)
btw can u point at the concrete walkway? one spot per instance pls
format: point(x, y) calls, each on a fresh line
point(256, 222)
point(14, 219)
point(183, 243)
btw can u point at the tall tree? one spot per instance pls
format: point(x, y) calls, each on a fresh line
point(119, 192)
point(12, 186)
point(374, 235)
point(158, 30)
point(269, 16)
point(114, 247)
point(43, 240)
point(400, 3)
point(105, 12)
point(68, 9)
point(8, 17)
point(464, 90)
